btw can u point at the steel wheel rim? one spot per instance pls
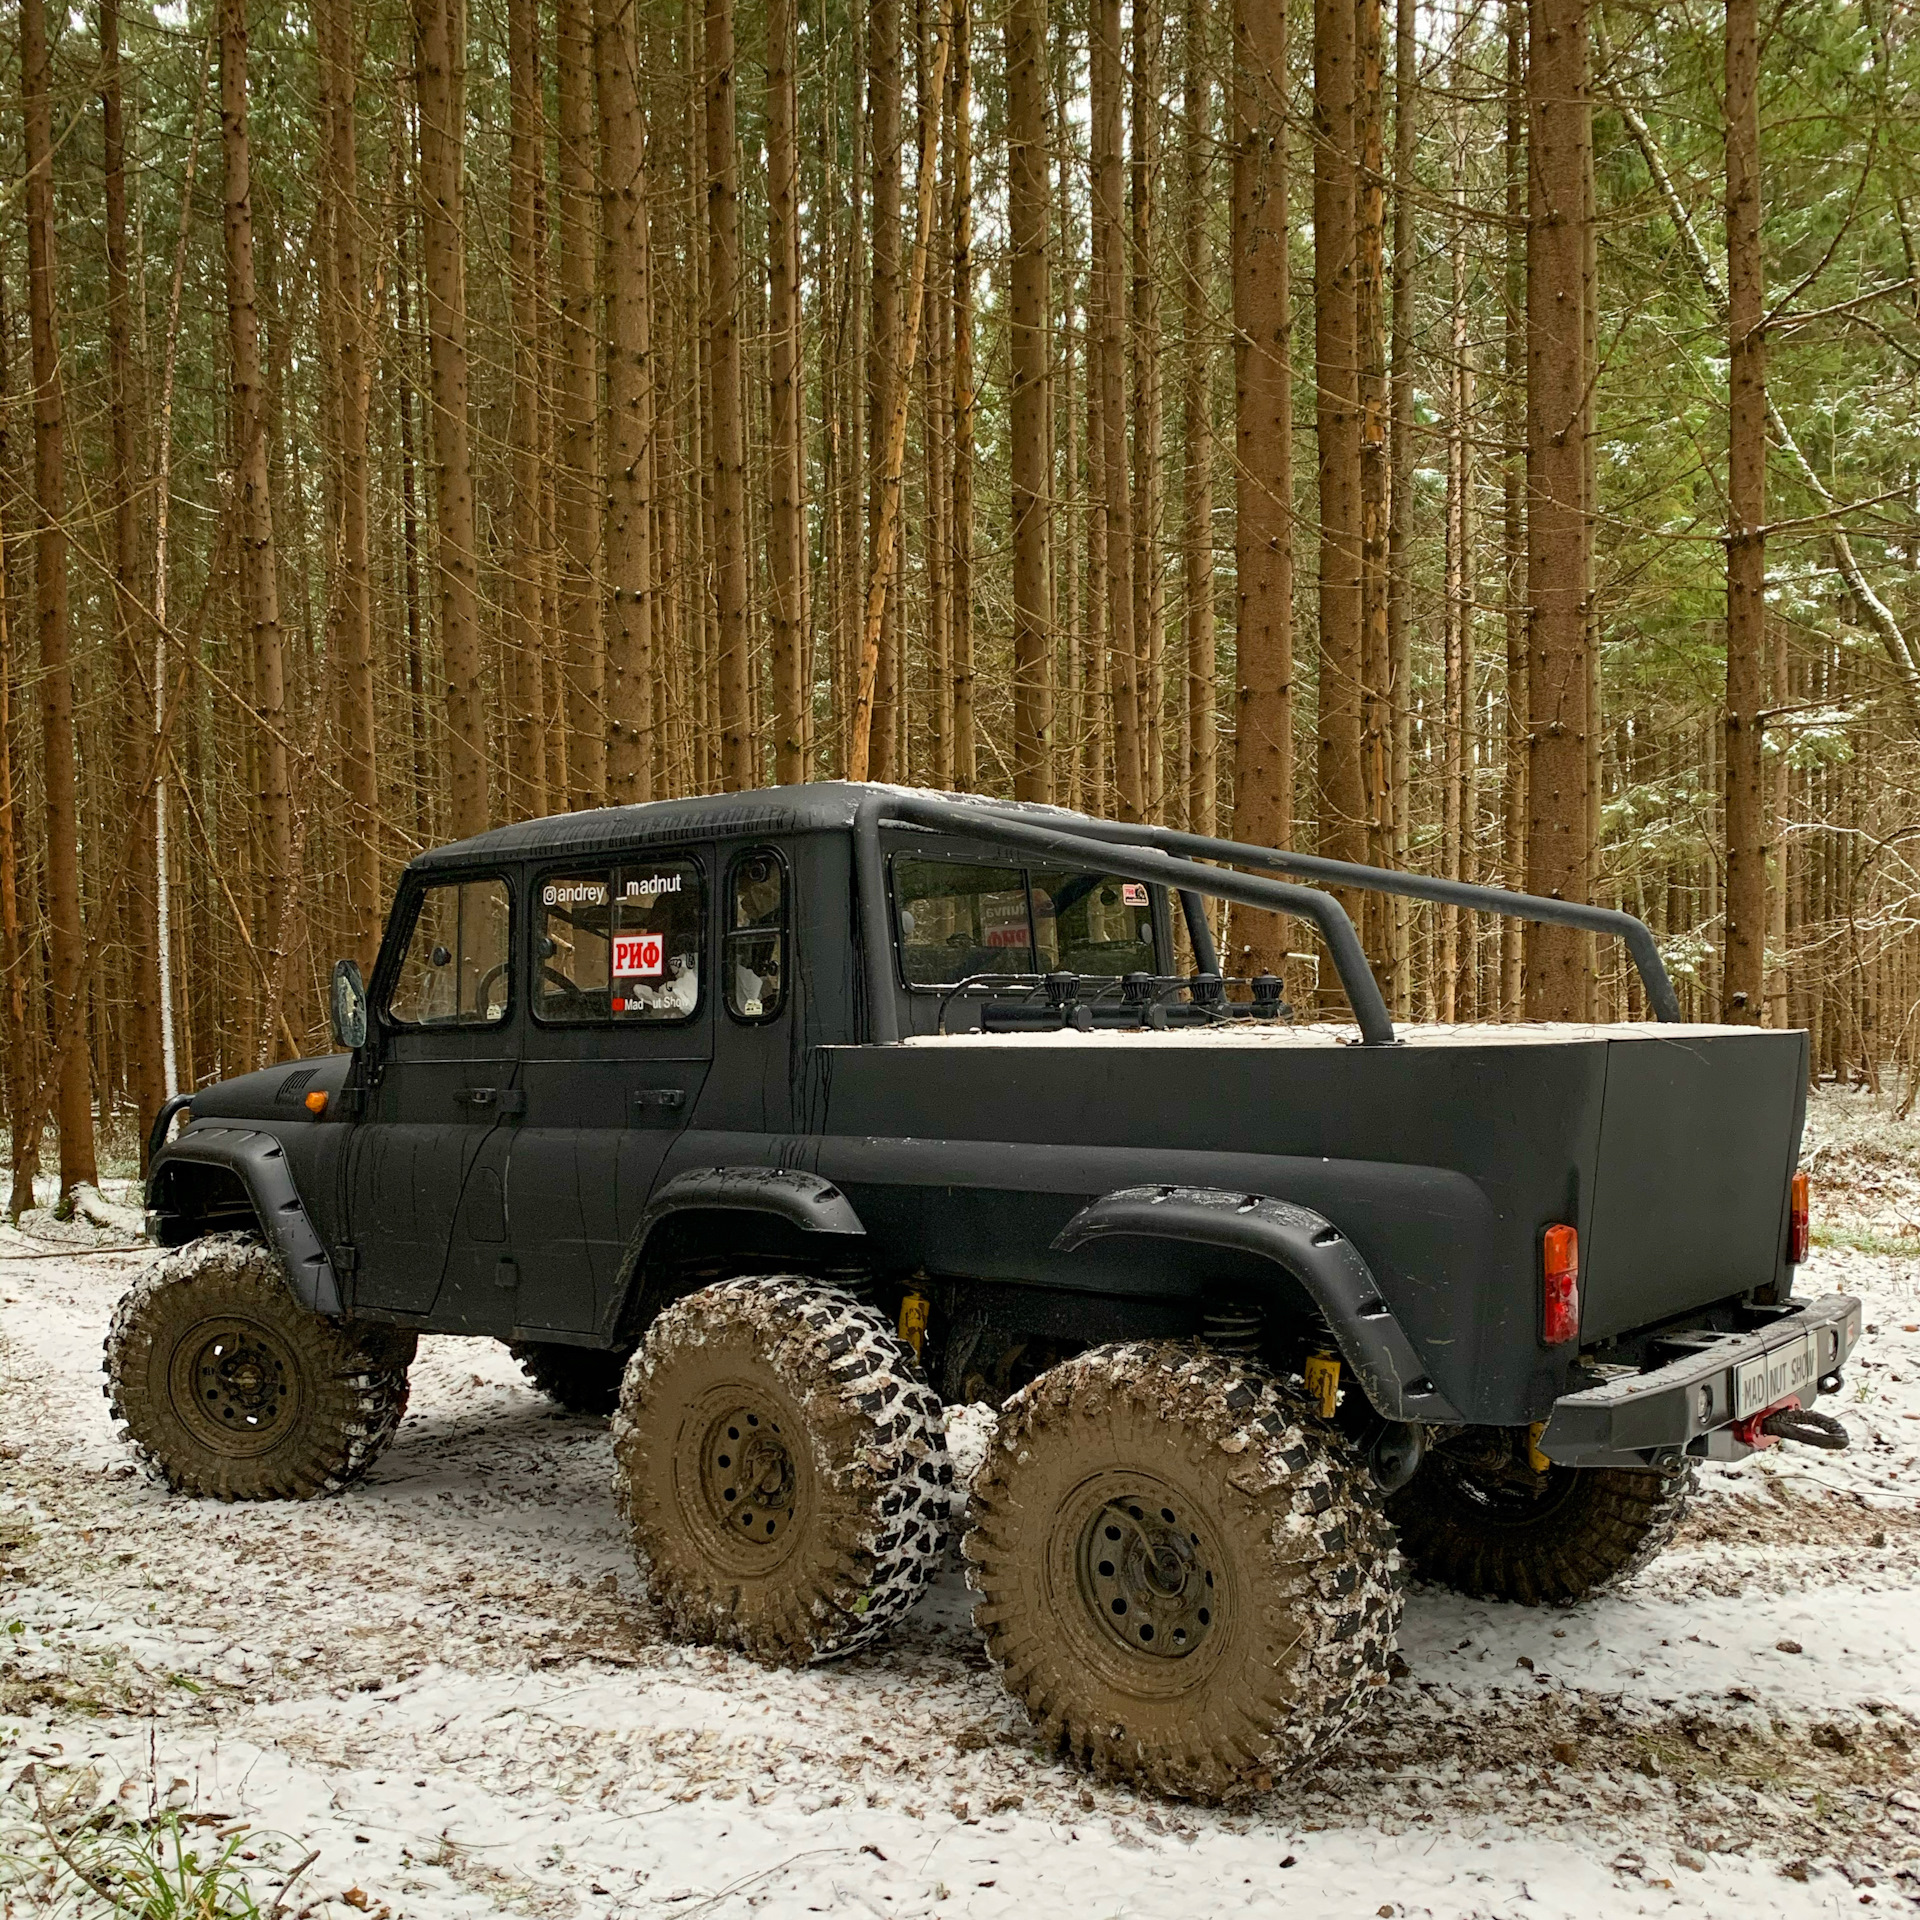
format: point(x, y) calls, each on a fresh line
point(1145, 1570)
point(236, 1386)
point(749, 1481)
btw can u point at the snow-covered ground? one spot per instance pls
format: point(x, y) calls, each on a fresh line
point(446, 1683)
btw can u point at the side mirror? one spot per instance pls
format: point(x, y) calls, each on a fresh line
point(347, 1008)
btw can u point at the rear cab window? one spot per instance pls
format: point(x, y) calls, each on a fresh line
point(955, 921)
point(619, 945)
point(754, 957)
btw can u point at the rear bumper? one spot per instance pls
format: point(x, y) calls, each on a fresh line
point(1715, 1381)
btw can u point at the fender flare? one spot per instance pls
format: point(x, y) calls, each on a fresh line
point(260, 1162)
point(1310, 1248)
point(803, 1200)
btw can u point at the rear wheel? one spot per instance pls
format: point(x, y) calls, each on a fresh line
point(229, 1387)
point(581, 1379)
point(781, 1469)
point(1184, 1576)
point(1490, 1526)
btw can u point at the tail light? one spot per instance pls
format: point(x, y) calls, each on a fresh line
point(1799, 1222)
point(1560, 1286)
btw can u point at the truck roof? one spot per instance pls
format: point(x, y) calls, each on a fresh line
point(818, 807)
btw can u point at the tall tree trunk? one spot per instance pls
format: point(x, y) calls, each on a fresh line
point(886, 562)
point(729, 460)
point(1400, 459)
point(582, 628)
point(440, 27)
point(628, 331)
point(1202, 771)
point(1456, 812)
point(136, 804)
point(961, 80)
point(1341, 787)
point(528, 789)
point(1746, 939)
point(1263, 441)
point(883, 351)
point(423, 782)
point(1369, 293)
point(1027, 221)
point(162, 523)
point(1513, 800)
point(936, 416)
point(259, 576)
point(351, 642)
point(788, 382)
point(1149, 592)
point(16, 1045)
point(73, 1106)
point(1559, 973)
point(1110, 270)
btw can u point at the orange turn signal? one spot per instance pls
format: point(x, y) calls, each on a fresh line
point(1560, 1286)
point(1799, 1221)
point(316, 1104)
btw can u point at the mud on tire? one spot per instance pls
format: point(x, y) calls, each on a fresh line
point(781, 1469)
point(1184, 1576)
point(1583, 1530)
point(227, 1386)
point(581, 1379)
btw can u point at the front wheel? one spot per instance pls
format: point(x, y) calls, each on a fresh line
point(229, 1387)
point(1487, 1525)
point(1184, 1576)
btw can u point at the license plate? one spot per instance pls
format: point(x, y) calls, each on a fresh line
point(1792, 1368)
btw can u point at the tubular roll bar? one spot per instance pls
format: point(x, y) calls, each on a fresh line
point(1126, 860)
point(1413, 886)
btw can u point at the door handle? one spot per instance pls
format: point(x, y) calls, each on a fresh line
point(503, 1100)
point(664, 1098)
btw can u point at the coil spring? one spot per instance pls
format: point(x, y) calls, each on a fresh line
point(1232, 1327)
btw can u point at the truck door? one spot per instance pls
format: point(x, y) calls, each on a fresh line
point(618, 1045)
point(425, 1170)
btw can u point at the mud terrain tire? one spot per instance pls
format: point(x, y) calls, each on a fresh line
point(1590, 1528)
point(581, 1379)
point(229, 1388)
point(1184, 1576)
point(791, 1411)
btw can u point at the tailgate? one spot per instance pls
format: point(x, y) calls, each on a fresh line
point(1699, 1135)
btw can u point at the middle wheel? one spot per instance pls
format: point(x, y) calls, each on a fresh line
point(782, 1473)
point(1185, 1577)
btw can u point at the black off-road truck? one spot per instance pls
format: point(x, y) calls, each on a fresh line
point(773, 1122)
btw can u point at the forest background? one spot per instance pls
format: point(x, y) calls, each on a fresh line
point(1480, 438)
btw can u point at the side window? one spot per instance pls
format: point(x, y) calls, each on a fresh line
point(456, 972)
point(956, 921)
point(1090, 923)
point(570, 949)
point(755, 954)
point(621, 946)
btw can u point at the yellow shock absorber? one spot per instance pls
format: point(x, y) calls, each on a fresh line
point(1322, 1374)
point(1537, 1460)
point(915, 1310)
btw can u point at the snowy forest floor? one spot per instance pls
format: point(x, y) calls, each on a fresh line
point(446, 1683)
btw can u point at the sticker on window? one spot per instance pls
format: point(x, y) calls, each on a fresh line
point(639, 956)
point(1003, 918)
point(1132, 894)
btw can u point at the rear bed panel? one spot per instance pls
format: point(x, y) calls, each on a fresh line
point(1442, 1159)
point(1698, 1138)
